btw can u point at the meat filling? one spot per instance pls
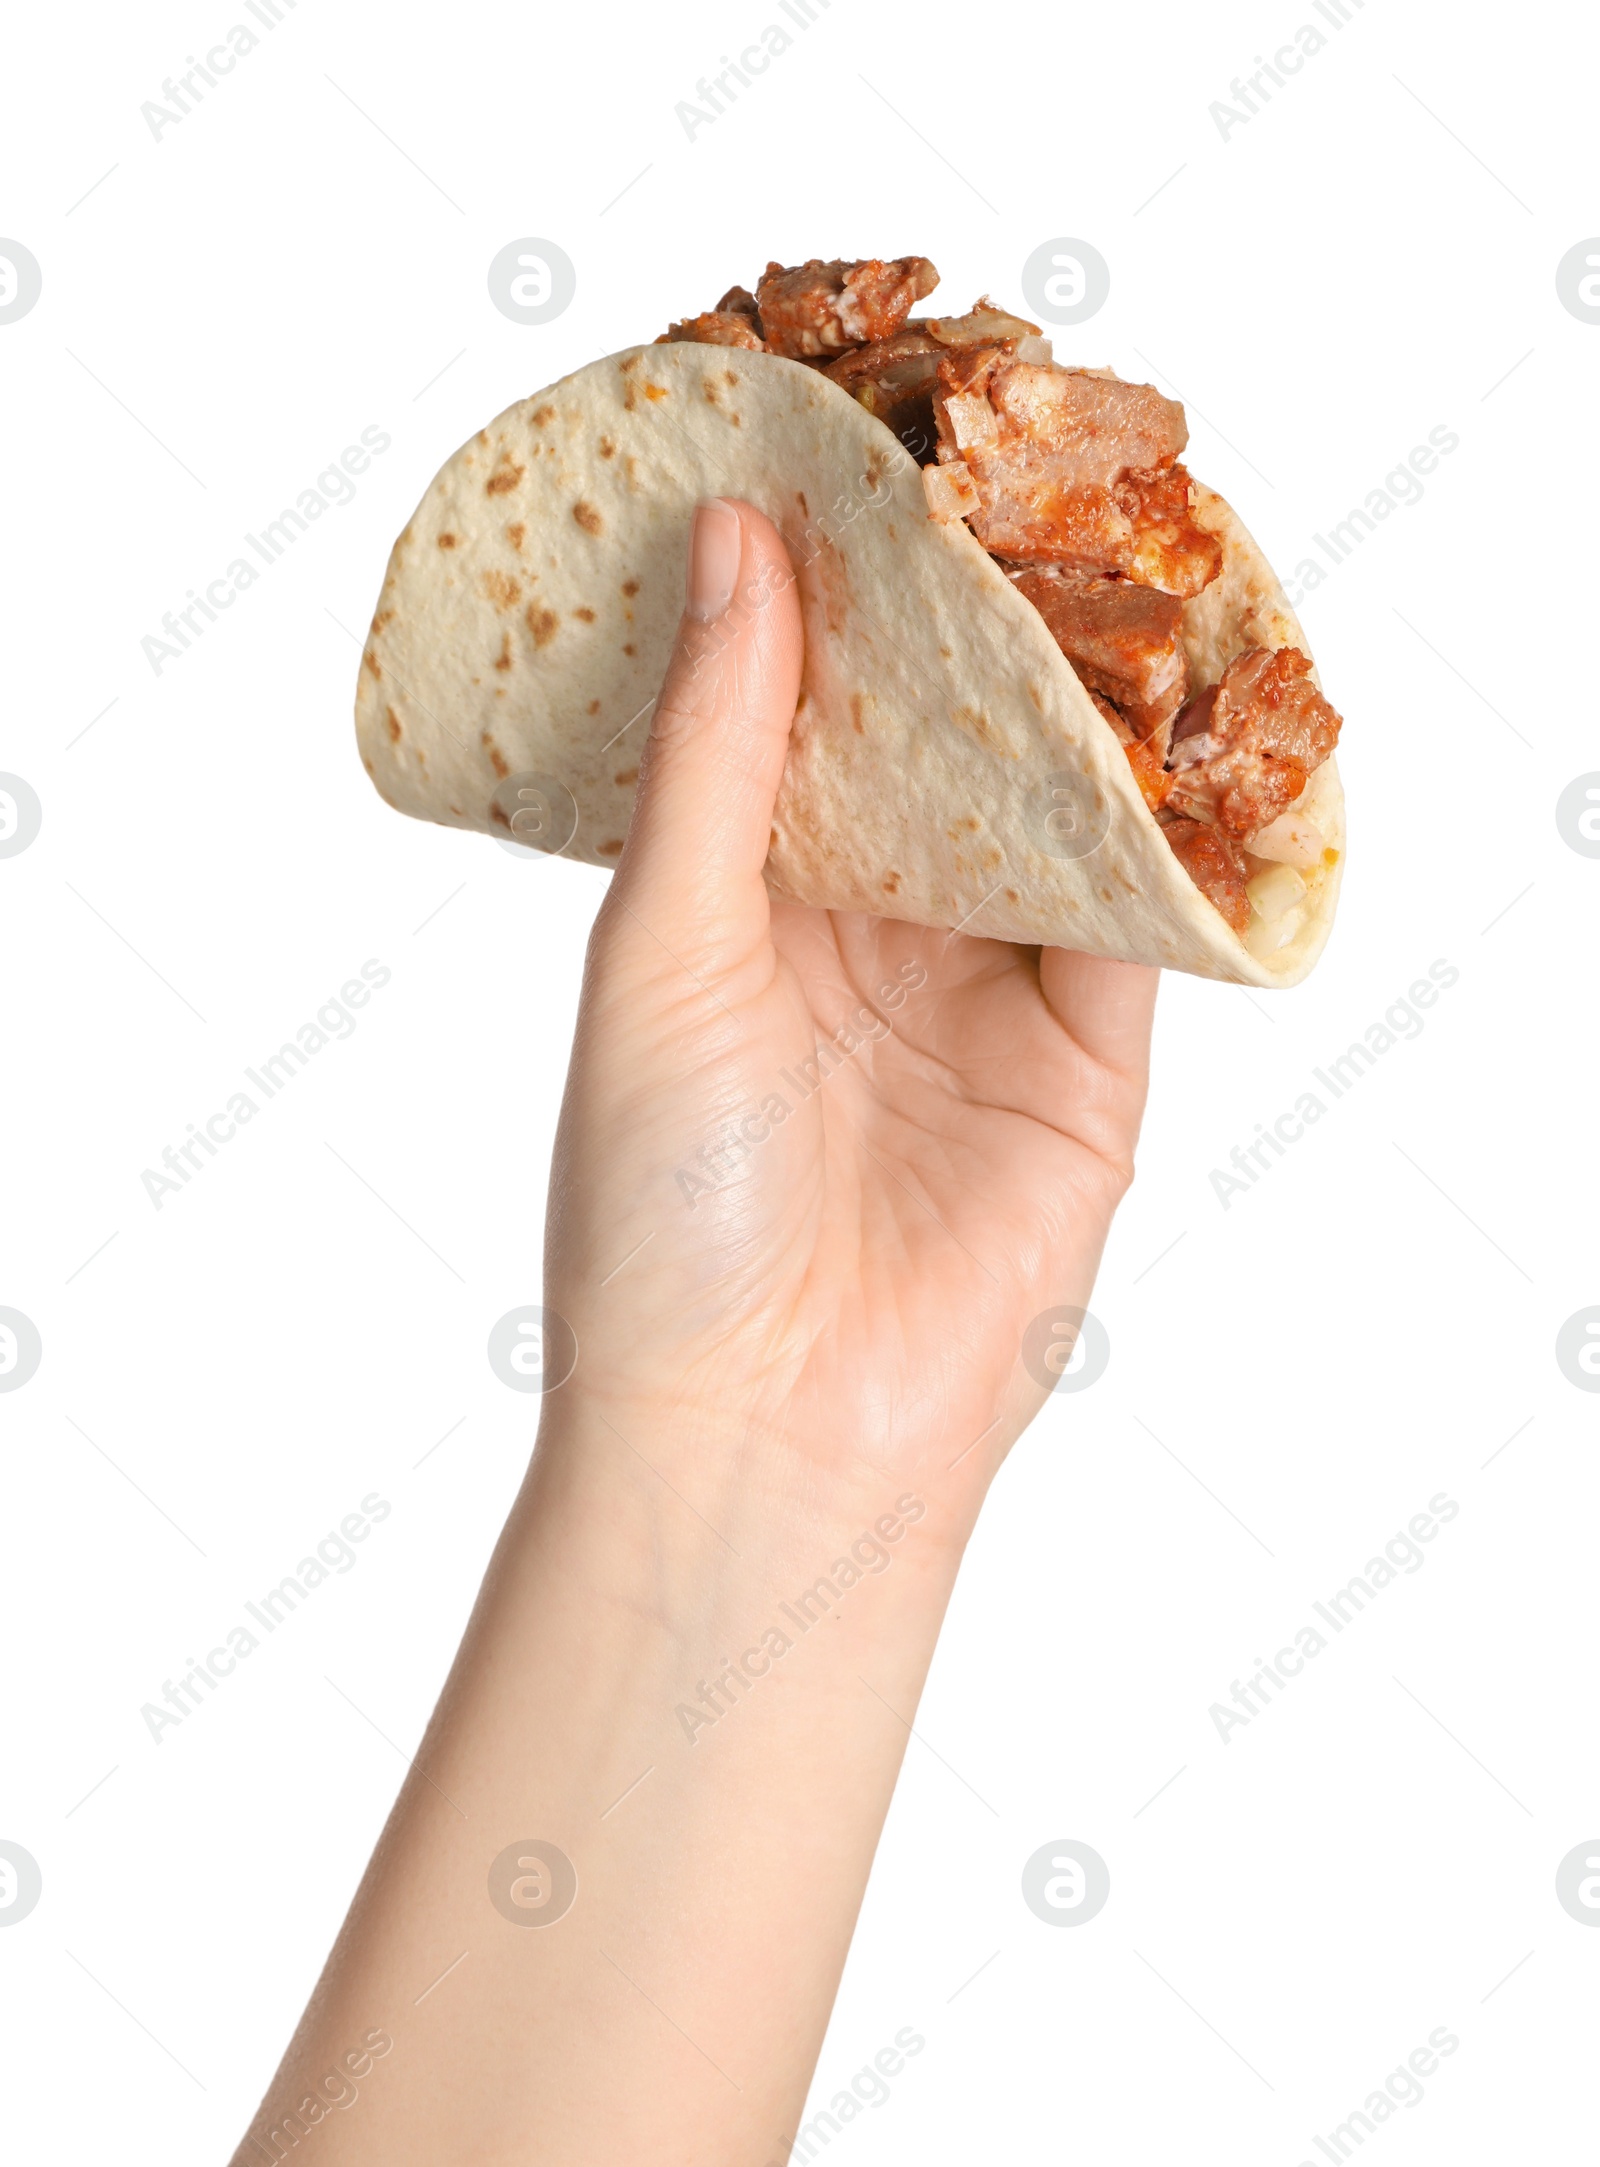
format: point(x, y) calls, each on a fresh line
point(1214, 865)
point(1121, 638)
point(895, 378)
point(1074, 467)
point(1071, 479)
point(821, 308)
point(1243, 751)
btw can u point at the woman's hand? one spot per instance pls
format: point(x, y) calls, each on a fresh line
point(698, 1650)
point(817, 1172)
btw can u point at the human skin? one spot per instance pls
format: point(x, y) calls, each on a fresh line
point(811, 1334)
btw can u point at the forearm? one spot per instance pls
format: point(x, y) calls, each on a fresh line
point(704, 1708)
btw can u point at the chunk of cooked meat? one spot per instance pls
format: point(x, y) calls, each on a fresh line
point(1121, 639)
point(733, 322)
point(1074, 466)
point(1146, 759)
point(1169, 550)
point(1214, 865)
point(821, 308)
point(894, 378)
point(717, 327)
point(1243, 750)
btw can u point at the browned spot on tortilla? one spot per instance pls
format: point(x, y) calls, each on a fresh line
point(393, 720)
point(874, 468)
point(447, 541)
point(653, 391)
point(1106, 896)
point(629, 650)
point(800, 499)
point(542, 623)
point(594, 707)
point(515, 533)
point(628, 775)
point(737, 423)
point(483, 436)
point(371, 661)
point(632, 466)
point(834, 582)
point(460, 815)
point(505, 476)
point(608, 450)
point(856, 702)
point(367, 764)
point(500, 589)
point(992, 857)
point(632, 362)
point(892, 885)
point(497, 758)
point(708, 391)
point(542, 414)
point(384, 617)
point(630, 586)
point(1034, 696)
point(498, 812)
point(1118, 874)
point(945, 651)
point(892, 535)
point(800, 703)
point(730, 376)
point(976, 720)
point(502, 660)
point(587, 517)
point(1012, 896)
point(610, 850)
point(629, 398)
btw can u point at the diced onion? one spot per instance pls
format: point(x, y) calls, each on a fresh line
point(1037, 350)
point(1289, 840)
point(1265, 936)
point(949, 490)
point(971, 419)
point(1275, 891)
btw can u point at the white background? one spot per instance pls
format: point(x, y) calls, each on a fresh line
point(1372, 255)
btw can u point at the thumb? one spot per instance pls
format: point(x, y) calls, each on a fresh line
point(710, 772)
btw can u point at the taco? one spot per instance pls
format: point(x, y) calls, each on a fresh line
point(1053, 692)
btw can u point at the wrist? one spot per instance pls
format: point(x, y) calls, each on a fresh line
point(731, 1501)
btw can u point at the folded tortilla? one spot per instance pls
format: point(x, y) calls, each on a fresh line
point(946, 767)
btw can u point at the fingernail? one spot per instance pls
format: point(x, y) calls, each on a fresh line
point(714, 547)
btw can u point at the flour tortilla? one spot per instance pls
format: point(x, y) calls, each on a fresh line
point(530, 608)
